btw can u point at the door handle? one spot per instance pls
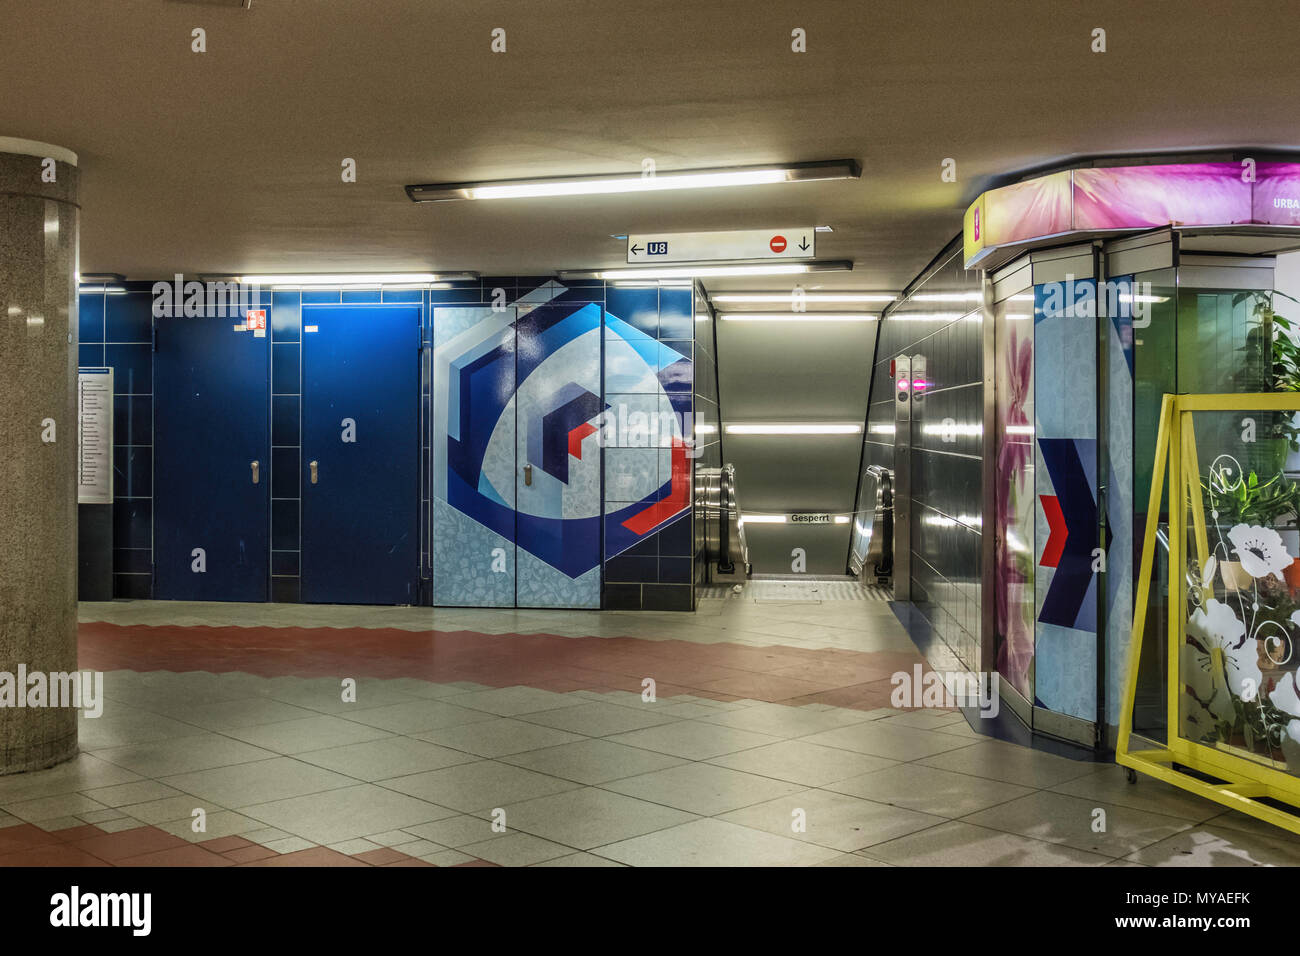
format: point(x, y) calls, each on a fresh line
point(528, 474)
point(257, 468)
point(313, 472)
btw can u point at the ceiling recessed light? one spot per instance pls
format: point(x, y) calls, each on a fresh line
point(626, 183)
point(776, 428)
point(736, 269)
point(823, 229)
point(807, 297)
point(797, 317)
point(354, 280)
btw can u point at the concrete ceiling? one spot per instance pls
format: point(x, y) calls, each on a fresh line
point(228, 161)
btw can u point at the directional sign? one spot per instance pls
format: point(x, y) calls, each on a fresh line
point(794, 242)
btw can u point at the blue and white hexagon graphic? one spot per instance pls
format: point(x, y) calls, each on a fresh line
point(517, 417)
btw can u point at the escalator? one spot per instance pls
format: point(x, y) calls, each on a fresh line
point(724, 535)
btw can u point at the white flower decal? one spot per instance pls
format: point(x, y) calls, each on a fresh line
point(1285, 699)
point(1260, 550)
point(1215, 666)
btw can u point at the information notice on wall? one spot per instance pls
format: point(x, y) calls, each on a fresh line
point(95, 436)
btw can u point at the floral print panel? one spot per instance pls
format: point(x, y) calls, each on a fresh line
point(1238, 662)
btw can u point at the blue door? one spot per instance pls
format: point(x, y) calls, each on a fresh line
point(558, 409)
point(211, 447)
point(360, 454)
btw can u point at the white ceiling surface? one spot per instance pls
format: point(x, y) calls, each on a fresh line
point(229, 161)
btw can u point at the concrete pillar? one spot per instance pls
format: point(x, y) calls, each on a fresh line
point(38, 490)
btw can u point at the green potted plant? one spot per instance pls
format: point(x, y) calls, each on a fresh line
point(1236, 499)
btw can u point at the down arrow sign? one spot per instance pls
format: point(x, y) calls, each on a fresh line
point(803, 245)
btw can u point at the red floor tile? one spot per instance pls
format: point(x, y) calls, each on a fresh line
point(54, 854)
point(189, 855)
point(316, 856)
point(113, 847)
point(249, 853)
point(380, 857)
point(222, 844)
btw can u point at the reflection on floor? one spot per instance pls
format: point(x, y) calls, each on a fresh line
point(522, 738)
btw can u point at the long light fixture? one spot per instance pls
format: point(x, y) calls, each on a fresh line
point(625, 183)
point(762, 519)
point(355, 280)
point(797, 316)
point(777, 428)
point(737, 270)
point(812, 298)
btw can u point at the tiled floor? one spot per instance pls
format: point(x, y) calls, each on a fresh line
point(522, 738)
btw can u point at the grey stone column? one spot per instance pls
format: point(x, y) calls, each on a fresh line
point(39, 219)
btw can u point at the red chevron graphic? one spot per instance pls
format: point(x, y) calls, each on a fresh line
point(1059, 532)
point(576, 436)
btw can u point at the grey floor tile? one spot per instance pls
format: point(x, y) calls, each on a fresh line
point(834, 820)
point(702, 788)
point(593, 761)
point(345, 814)
point(485, 784)
point(416, 716)
point(598, 719)
point(141, 791)
point(389, 757)
point(512, 701)
point(588, 817)
point(693, 740)
point(499, 738)
point(782, 721)
point(1207, 845)
point(83, 772)
point(1078, 822)
point(53, 807)
point(455, 831)
point(929, 789)
point(1108, 784)
point(997, 760)
point(579, 859)
point(801, 762)
point(516, 849)
point(876, 738)
point(259, 782)
point(955, 843)
point(184, 755)
point(713, 842)
point(316, 732)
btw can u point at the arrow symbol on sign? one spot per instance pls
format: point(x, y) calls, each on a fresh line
point(635, 250)
point(803, 246)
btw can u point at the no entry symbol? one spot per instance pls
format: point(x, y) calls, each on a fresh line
point(777, 243)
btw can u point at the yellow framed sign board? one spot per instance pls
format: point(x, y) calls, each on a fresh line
point(1232, 704)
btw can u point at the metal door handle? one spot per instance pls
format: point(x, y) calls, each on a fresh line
point(313, 472)
point(257, 468)
point(528, 474)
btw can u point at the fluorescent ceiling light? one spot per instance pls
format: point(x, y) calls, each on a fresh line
point(356, 280)
point(948, 297)
point(808, 297)
point(762, 519)
point(841, 519)
point(625, 183)
point(797, 317)
point(793, 429)
point(722, 271)
point(108, 289)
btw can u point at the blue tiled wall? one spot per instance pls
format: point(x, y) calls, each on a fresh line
point(116, 329)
